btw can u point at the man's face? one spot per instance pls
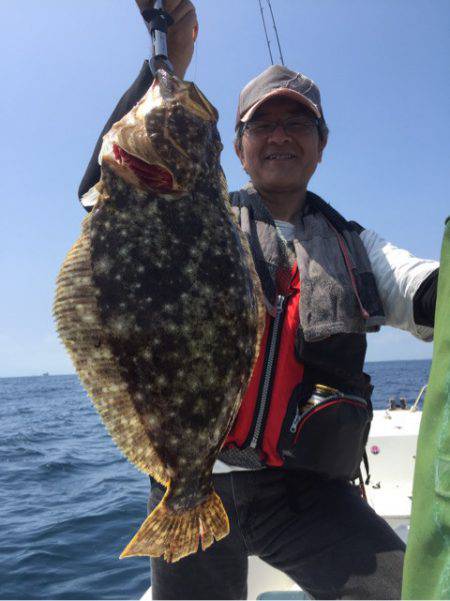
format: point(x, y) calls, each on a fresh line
point(281, 162)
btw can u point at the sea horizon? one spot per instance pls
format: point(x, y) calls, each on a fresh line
point(49, 374)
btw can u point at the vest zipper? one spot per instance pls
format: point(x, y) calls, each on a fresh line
point(295, 421)
point(269, 370)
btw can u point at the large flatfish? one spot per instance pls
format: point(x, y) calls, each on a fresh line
point(159, 306)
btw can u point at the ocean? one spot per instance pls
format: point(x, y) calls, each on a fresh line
point(70, 502)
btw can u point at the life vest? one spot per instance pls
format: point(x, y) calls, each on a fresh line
point(272, 427)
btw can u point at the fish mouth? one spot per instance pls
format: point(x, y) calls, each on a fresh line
point(153, 176)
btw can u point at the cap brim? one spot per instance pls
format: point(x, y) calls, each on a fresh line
point(286, 92)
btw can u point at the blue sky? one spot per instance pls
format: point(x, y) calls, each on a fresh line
point(382, 67)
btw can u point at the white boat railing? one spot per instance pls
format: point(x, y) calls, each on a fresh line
point(419, 396)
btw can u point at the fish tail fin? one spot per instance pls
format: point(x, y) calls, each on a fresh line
point(175, 535)
point(213, 520)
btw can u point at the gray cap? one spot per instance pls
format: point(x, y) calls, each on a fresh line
point(280, 81)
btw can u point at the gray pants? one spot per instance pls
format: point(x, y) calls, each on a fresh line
point(321, 533)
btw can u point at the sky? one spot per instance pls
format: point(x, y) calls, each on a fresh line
point(383, 70)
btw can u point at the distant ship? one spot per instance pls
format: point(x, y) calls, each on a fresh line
point(45, 373)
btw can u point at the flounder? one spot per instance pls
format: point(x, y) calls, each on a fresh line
point(159, 306)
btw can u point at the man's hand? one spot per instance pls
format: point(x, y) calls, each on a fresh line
point(181, 35)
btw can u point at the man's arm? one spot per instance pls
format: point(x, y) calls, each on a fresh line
point(181, 37)
point(406, 284)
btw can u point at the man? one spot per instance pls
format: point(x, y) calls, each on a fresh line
point(299, 515)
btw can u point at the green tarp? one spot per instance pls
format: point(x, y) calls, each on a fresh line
point(427, 563)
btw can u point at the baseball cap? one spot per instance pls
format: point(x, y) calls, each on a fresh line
point(278, 80)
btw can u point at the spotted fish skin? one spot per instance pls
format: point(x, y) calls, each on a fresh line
point(178, 313)
point(171, 328)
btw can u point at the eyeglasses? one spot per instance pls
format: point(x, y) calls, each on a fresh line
point(292, 126)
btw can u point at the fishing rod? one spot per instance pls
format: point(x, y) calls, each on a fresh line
point(275, 29)
point(265, 30)
point(276, 32)
point(158, 21)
